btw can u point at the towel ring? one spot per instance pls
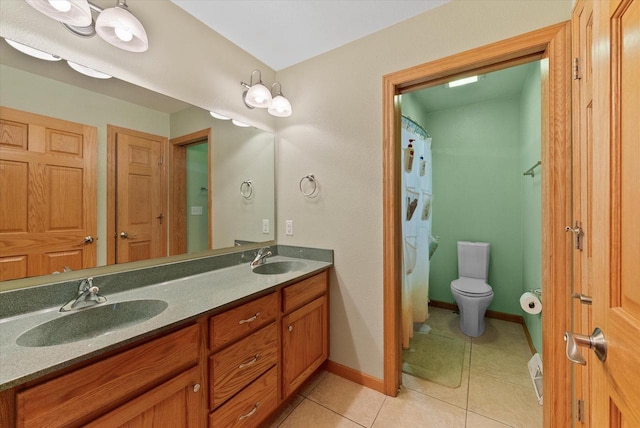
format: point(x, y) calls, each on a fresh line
point(311, 180)
point(246, 189)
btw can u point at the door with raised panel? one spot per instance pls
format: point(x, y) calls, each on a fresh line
point(175, 403)
point(616, 212)
point(304, 343)
point(139, 193)
point(48, 181)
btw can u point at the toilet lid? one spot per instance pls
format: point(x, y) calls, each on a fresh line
point(472, 287)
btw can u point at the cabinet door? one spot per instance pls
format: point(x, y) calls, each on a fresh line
point(304, 343)
point(175, 403)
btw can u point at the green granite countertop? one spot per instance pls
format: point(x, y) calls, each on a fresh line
point(188, 298)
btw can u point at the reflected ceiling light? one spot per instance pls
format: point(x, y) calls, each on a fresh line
point(122, 29)
point(464, 81)
point(280, 106)
point(240, 124)
point(71, 12)
point(219, 116)
point(256, 95)
point(32, 51)
point(88, 71)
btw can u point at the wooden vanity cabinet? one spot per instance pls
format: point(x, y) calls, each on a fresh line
point(159, 376)
point(237, 367)
point(305, 330)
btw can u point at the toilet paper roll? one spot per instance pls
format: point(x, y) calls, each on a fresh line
point(530, 303)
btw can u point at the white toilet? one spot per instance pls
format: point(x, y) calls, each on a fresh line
point(471, 291)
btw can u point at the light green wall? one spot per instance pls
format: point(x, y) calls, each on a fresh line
point(197, 178)
point(476, 188)
point(29, 92)
point(530, 137)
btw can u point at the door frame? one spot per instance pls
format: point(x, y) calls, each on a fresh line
point(553, 43)
point(112, 169)
point(178, 185)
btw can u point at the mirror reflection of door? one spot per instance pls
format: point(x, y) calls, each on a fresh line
point(190, 193)
point(48, 181)
point(136, 195)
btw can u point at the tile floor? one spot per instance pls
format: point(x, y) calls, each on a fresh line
point(496, 390)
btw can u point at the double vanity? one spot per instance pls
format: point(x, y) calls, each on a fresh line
point(223, 347)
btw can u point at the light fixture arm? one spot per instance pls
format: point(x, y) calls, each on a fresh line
point(279, 88)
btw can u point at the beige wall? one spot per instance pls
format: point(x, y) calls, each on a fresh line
point(335, 132)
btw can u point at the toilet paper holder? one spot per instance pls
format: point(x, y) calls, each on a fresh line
point(536, 291)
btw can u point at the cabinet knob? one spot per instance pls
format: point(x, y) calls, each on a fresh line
point(291, 328)
point(196, 387)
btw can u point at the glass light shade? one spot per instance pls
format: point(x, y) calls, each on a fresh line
point(70, 12)
point(118, 26)
point(239, 123)
point(219, 116)
point(88, 71)
point(32, 51)
point(258, 96)
point(280, 106)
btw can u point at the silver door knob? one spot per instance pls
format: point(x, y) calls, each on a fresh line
point(596, 342)
point(88, 239)
point(124, 235)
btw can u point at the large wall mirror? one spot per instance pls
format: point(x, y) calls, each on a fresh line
point(219, 184)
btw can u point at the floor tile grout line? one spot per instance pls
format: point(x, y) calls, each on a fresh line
point(341, 415)
point(292, 410)
point(379, 410)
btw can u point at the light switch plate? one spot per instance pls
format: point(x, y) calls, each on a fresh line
point(289, 227)
point(196, 210)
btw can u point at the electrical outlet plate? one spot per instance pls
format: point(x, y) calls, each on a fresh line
point(265, 225)
point(196, 210)
point(289, 227)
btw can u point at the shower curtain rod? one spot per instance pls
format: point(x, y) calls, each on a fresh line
point(530, 170)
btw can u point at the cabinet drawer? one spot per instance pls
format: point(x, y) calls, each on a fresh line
point(235, 367)
point(304, 291)
point(242, 320)
point(251, 406)
point(81, 395)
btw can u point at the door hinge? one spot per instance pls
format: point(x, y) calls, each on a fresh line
point(576, 69)
point(578, 232)
point(580, 410)
point(161, 161)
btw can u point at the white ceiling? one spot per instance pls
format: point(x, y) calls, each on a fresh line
point(281, 33)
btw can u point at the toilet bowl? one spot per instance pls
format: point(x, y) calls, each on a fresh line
point(471, 291)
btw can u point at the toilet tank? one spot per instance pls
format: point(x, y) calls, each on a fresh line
point(473, 259)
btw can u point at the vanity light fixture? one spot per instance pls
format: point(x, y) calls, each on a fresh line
point(280, 105)
point(71, 12)
point(461, 82)
point(36, 53)
point(219, 116)
point(258, 95)
point(88, 71)
point(116, 25)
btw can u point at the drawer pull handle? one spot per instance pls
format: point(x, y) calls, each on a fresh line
point(252, 319)
point(253, 361)
point(245, 416)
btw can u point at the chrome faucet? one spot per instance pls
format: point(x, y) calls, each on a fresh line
point(261, 257)
point(87, 296)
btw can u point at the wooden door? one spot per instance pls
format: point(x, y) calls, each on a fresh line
point(48, 181)
point(616, 212)
point(139, 194)
point(304, 343)
point(582, 121)
point(175, 403)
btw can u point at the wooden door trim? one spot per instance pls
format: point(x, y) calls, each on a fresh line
point(550, 42)
point(112, 131)
point(177, 199)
